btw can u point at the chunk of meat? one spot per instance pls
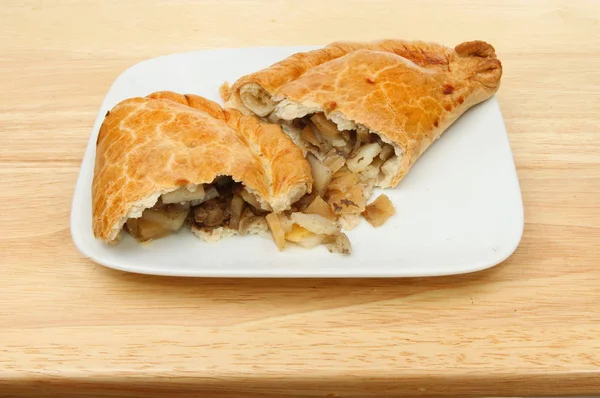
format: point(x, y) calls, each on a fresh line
point(212, 213)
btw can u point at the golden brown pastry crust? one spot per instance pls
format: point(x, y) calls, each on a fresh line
point(407, 92)
point(149, 146)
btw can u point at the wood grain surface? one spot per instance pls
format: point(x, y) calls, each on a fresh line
point(68, 327)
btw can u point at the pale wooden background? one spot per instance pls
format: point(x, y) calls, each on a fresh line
point(528, 326)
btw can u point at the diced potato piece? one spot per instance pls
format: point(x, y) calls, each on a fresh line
point(387, 152)
point(311, 241)
point(308, 134)
point(377, 163)
point(250, 198)
point(342, 172)
point(345, 150)
point(237, 206)
point(371, 172)
point(210, 192)
point(144, 230)
point(326, 127)
point(297, 233)
point(363, 157)
point(368, 188)
point(379, 211)
point(276, 229)
point(320, 207)
point(391, 166)
point(132, 226)
point(343, 180)
point(341, 244)
point(334, 162)
point(384, 203)
point(315, 223)
point(286, 223)
point(321, 174)
point(341, 144)
point(183, 195)
point(349, 201)
point(327, 141)
point(170, 217)
point(349, 221)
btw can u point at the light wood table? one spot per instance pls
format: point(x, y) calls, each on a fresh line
point(68, 327)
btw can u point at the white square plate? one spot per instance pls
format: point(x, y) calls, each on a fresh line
point(458, 210)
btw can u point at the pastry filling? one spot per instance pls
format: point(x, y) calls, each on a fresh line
point(346, 164)
point(228, 205)
point(207, 207)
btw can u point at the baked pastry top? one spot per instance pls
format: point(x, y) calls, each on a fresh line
point(151, 146)
point(407, 93)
